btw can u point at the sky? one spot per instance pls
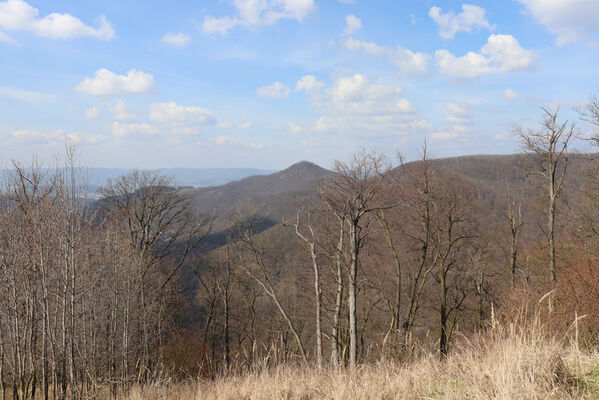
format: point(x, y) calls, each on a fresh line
point(267, 83)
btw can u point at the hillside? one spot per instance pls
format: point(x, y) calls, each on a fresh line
point(275, 196)
point(279, 195)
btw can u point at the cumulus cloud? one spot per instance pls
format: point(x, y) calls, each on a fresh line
point(106, 82)
point(275, 91)
point(356, 106)
point(294, 129)
point(120, 130)
point(457, 120)
point(224, 125)
point(352, 24)
point(308, 83)
point(257, 13)
point(456, 108)
point(409, 62)
point(177, 114)
point(120, 111)
point(92, 113)
point(451, 23)
point(17, 15)
point(56, 138)
point(234, 141)
point(245, 125)
point(570, 20)
point(502, 53)
point(510, 94)
point(404, 106)
point(176, 39)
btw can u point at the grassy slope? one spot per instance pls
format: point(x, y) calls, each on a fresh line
point(511, 361)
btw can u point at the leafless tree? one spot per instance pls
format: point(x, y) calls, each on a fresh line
point(309, 240)
point(515, 226)
point(549, 146)
point(352, 194)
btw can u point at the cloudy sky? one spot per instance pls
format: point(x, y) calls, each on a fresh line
point(266, 83)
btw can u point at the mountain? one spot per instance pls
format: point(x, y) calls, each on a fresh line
point(275, 196)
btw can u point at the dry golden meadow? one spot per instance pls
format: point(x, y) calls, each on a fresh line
point(511, 361)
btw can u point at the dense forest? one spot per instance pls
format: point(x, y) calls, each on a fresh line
point(376, 259)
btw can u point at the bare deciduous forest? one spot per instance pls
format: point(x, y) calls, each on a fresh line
point(472, 277)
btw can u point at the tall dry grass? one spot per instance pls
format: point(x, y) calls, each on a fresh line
point(515, 360)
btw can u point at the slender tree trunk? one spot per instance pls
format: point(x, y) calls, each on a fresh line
point(339, 298)
point(443, 314)
point(353, 277)
point(317, 299)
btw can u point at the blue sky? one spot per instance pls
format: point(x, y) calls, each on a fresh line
point(266, 83)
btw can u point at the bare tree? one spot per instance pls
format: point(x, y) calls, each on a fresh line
point(253, 260)
point(352, 194)
point(515, 226)
point(549, 146)
point(310, 242)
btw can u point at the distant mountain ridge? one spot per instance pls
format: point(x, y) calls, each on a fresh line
point(274, 195)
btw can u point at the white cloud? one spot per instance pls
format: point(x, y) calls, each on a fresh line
point(358, 89)
point(92, 113)
point(502, 53)
point(25, 95)
point(275, 91)
point(445, 135)
point(458, 122)
point(347, 1)
point(352, 24)
point(55, 138)
point(570, 20)
point(4, 38)
point(294, 129)
point(224, 125)
point(245, 125)
point(456, 108)
point(120, 130)
point(17, 15)
point(450, 23)
point(454, 119)
point(176, 39)
point(106, 82)
point(176, 114)
point(308, 83)
point(26, 135)
point(354, 105)
point(233, 141)
point(510, 94)
point(409, 62)
point(369, 47)
point(404, 106)
point(257, 13)
point(120, 111)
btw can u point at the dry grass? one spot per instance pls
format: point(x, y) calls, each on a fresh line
point(512, 361)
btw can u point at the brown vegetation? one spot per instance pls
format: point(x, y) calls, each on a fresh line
point(387, 279)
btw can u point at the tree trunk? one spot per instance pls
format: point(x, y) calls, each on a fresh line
point(353, 275)
point(339, 298)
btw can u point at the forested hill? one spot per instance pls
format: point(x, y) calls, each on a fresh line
point(279, 195)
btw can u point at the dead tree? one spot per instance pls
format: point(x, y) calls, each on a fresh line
point(310, 242)
point(252, 259)
point(352, 194)
point(515, 226)
point(549, 147)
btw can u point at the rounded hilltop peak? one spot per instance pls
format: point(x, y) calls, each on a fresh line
point(304, 166)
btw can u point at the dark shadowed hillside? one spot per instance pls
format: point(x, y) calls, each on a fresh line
point(275, 196)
